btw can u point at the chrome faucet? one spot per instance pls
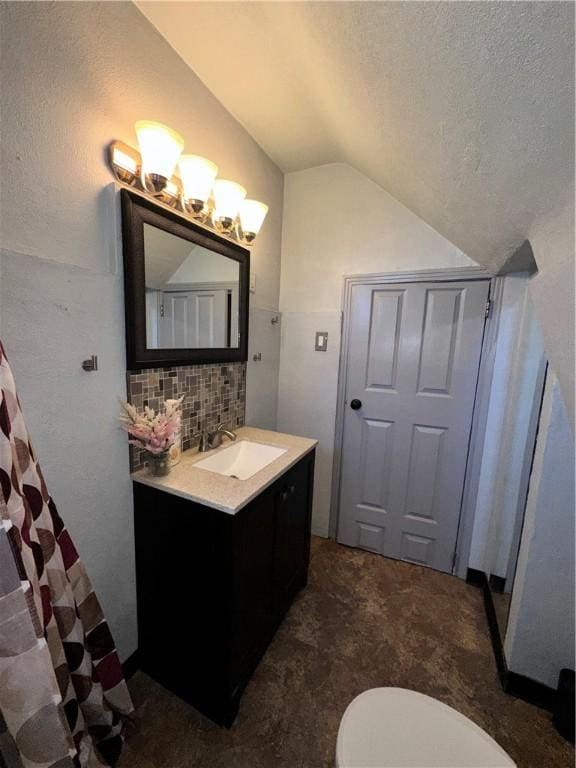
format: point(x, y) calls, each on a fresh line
point(210, 440)
point(221, 430)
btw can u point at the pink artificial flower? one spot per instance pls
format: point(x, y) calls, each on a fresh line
point(152, 432)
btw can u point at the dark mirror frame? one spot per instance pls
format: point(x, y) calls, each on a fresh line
point(137, 211)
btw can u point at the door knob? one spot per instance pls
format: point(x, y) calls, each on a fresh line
point(355, 404)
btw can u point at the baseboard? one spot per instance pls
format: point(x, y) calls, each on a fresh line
point(497, 584)
point(131, 665)
point(516, 685)
point(480, 580)
point(475, 577)
point(532, 691)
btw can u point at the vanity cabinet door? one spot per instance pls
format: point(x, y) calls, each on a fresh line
point(252, 597)
point(214, 587)
point(292, 541)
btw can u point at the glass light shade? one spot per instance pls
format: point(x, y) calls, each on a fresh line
point(252, 215)
point(227, 198)
point(197, 176)
point(160, 148)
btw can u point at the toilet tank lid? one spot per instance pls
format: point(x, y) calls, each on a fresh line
point(398, 728)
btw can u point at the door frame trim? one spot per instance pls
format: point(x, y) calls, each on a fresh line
point(480, 412)
point(478, 430)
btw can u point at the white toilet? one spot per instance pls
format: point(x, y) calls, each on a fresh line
point(397, 728)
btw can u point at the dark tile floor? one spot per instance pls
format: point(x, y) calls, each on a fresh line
point(363, 621)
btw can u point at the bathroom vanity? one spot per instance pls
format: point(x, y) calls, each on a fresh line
point(219, 560)
point(223, 541)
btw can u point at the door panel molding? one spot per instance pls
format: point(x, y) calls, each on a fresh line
point(371, 537)
point(374, 483)
point(427, 443)
point(479, 415)
point(437, 351)
point(386, 309)
point(417, 549)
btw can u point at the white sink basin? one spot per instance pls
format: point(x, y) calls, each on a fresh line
point(242, 459)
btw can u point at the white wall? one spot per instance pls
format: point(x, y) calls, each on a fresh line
point(203, 266)
point(307, 396)
point(518, 445)
point(336, 223)
point(552, 290)
point(517, 359)
point(540, 636)
point(262, 375)
point(75, 76)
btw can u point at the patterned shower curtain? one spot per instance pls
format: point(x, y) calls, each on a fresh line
point(63, 698)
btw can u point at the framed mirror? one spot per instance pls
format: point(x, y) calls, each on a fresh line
point(186, 289)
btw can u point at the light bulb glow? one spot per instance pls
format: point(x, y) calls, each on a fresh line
point(227, 198)
point(252, 215)
point(160, 148)
point(197, 176)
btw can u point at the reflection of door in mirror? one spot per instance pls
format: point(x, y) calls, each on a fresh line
point(523, 394)
point(193, 319)
point(192, 294)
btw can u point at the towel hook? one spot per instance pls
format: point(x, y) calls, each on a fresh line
point(91, 364)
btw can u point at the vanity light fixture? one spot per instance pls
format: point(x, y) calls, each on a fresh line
point(160, 149)
point(172, 193)
point(125, 162)
point(252, 215)
point(216, 204)
point(197, 176)
point(228, 196)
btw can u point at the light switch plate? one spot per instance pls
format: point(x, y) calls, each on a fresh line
point(321, 341)
point(252, 282)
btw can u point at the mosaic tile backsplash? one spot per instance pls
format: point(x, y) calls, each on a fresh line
point(213, 394)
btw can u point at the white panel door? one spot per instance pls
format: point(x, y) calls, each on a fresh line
point(413, 358)
point(194, 319)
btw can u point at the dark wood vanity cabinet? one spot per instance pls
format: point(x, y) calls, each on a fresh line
point(213, 587)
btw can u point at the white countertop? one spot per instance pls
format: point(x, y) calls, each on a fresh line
point(219, 491)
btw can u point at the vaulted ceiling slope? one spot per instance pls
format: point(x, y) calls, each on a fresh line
point(464, 111)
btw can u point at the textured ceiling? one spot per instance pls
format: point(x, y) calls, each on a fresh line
point(464, 111)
